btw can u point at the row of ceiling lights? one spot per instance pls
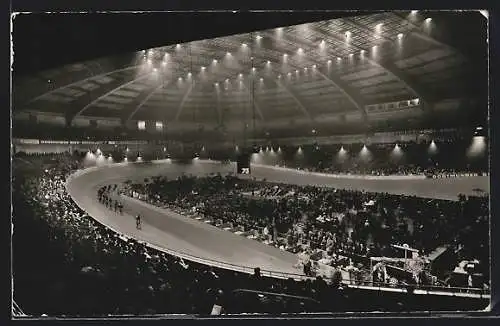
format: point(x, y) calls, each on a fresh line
point(300, 50)
point(279, 76)
point(285, 55)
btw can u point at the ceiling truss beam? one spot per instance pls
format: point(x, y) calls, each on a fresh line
point(416, 88)
point(355, 97)
point(352, 94)
point(140, 101)
point(183, 101)
point(255, 102)
point(296, 99)
point(76, 83)
point(98, 98)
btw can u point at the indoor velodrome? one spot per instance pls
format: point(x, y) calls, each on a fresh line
point(260, 163)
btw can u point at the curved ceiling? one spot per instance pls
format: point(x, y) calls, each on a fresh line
point(293, 73)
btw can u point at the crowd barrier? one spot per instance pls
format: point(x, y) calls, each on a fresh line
point(344, 176)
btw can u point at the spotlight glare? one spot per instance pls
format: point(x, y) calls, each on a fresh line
point(215, 61)
point(414, 12)
point(428, 20)
point(400, 35)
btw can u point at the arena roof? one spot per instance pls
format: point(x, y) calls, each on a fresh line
point(307, 72)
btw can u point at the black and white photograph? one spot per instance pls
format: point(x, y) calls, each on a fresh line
point(250, 163)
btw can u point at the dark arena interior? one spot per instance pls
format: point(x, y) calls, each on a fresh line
point(286, 163)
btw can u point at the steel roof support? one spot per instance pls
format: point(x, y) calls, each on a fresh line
point(425, 96)
point(290, 92)
point(97, 99)
point(141, 99)
point(80, 81)
point(255, 101)
point(183, 101)
point(352, 94)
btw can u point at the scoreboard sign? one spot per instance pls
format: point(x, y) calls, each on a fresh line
point(243, 164)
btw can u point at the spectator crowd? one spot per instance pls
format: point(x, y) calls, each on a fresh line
point(67, 264)
point(343, 228)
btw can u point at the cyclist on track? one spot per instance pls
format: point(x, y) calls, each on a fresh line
point(138, 221)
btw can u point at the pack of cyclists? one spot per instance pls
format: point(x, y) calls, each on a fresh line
point(104, 197)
